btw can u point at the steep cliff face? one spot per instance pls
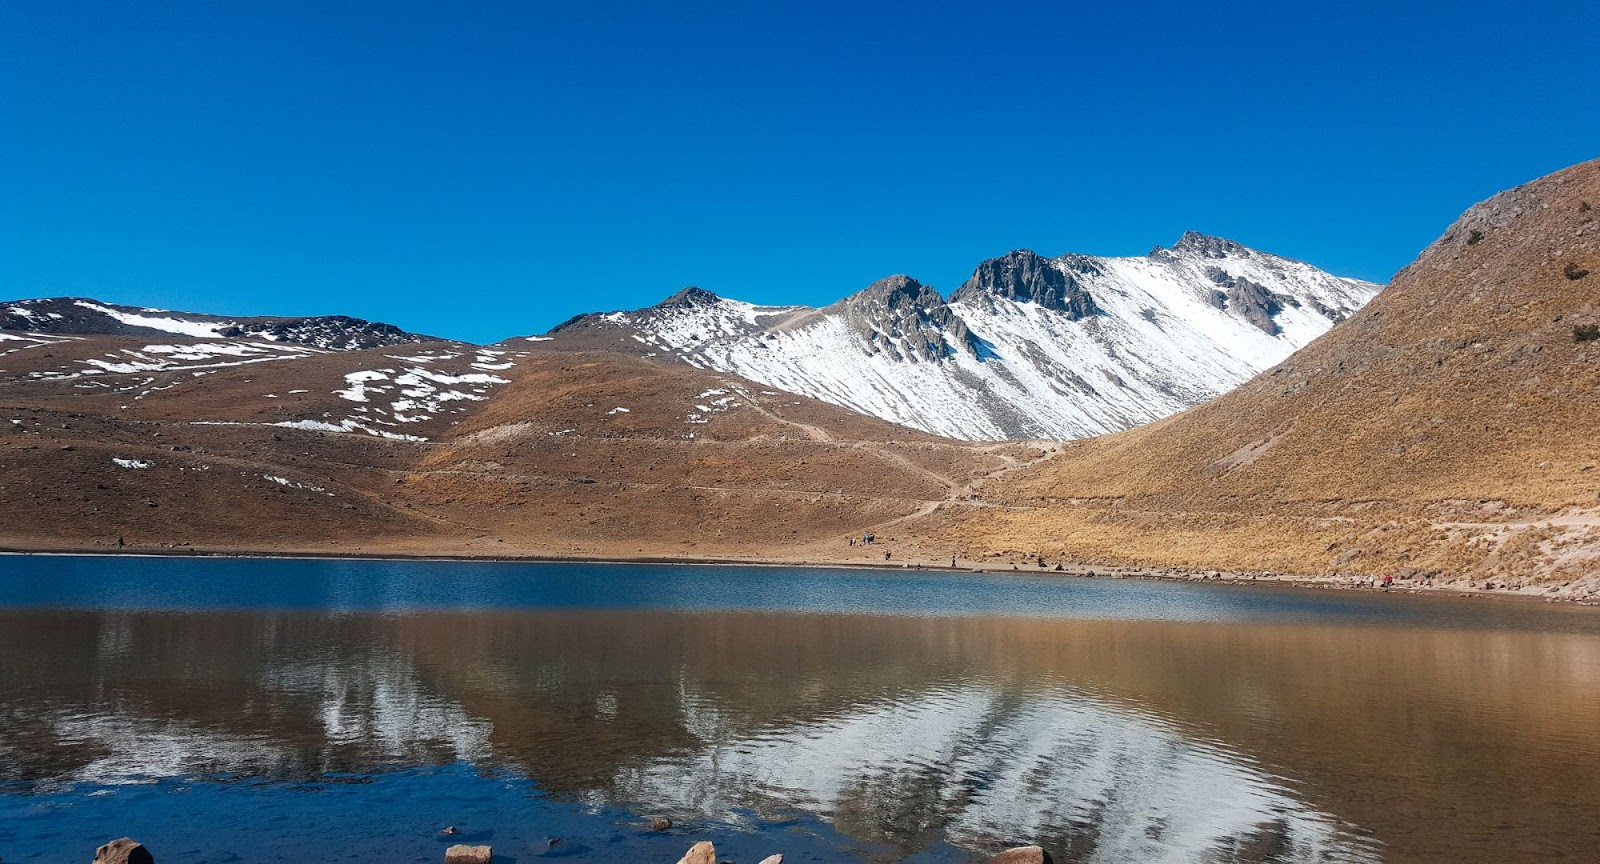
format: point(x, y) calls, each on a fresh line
point(1026, 277)
point(904, 320)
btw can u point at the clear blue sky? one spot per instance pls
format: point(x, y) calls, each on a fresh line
point(480, 170)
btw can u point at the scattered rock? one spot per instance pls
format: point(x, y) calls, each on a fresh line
point(1022, 855)
point(123, 851)
point(700, 853)
point(660, 823)
point(450, 829)
point(463, 854)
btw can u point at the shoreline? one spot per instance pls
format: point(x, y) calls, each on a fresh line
point(1080, 571)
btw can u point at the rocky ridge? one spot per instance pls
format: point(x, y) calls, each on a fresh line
point(78, 316)
point(1028, 348)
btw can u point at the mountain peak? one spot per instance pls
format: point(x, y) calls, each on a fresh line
point(903, 318)
point(690, 296)
point(898, 284)
point(1028, 277)
point(891, 293)
point(1205, 246)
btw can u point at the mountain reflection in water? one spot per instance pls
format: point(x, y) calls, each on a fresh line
point(1103, 740)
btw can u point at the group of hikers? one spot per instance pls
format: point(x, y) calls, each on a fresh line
point(868, 539)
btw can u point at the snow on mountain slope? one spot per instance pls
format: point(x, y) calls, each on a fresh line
point(79, 316)
point(980, 763)
point(1029, 347)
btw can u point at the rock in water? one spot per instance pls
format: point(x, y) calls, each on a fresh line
point(463, 854)
point(1022, 855)
point(660, 823)
point(123, 851)
point(700, 853)
point(772, 859)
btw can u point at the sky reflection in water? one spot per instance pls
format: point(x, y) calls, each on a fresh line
point(1140, 721)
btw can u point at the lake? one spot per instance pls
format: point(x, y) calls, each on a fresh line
point(339, 710)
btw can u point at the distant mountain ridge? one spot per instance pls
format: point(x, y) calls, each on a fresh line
point(1028, 347)
point(83, 316)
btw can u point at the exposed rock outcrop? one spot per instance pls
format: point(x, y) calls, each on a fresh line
point(905, 319)
point(1027, 277)
point(1022, 855)
point(463, 854)
point(700, 853)
point(124, 850)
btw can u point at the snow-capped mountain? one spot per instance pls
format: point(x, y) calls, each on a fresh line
point(1029, 347)
point(79, 316)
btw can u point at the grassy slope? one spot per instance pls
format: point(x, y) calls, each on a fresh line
point(1458, 399)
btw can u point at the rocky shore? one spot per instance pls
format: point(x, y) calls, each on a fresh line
point(126, 850)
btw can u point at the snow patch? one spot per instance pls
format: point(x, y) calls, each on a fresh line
point(358, 381)
point(343, 426)
point(170, 325)
point(284, 481)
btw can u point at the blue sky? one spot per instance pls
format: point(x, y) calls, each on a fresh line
point(480, 170)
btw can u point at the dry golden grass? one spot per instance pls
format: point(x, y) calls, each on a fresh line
point(1460, 396)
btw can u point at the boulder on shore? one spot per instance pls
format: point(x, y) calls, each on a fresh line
point(464, 854)
point(1022, 855)
point(700, 853)
point(124, 850)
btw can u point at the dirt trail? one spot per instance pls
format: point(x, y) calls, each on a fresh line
point(1048, 450)
point(956, 489)
point(962, 492)
point(1585, 519)
point(815, 433)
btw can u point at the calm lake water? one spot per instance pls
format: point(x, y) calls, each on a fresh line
point(253, 710)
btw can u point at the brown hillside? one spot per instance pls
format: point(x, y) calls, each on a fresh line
point(700, 464)
point(1451, 427)
point(176, 444)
